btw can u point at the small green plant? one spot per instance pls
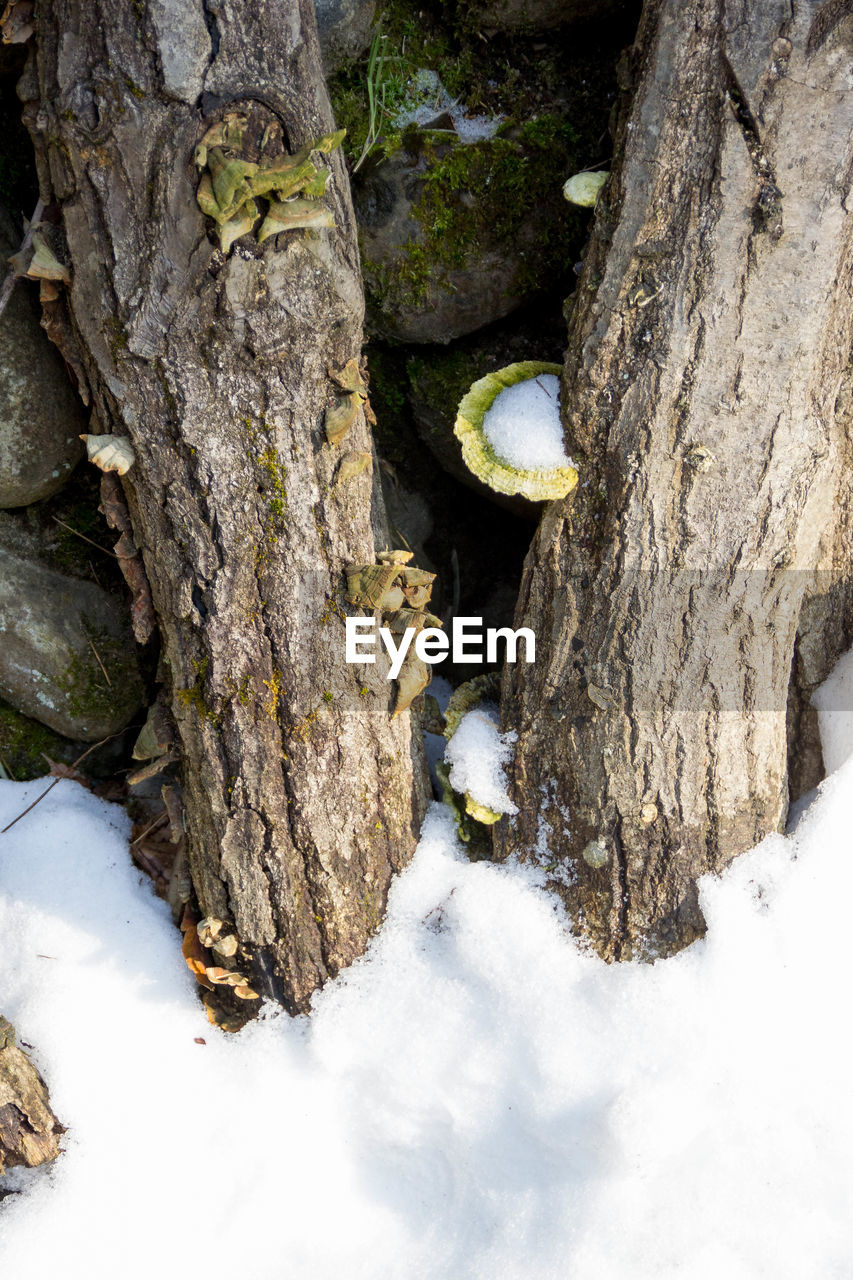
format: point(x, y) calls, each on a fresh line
point(378, 83)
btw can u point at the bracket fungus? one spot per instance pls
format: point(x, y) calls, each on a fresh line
point(350, 396)
point(472, 715)
point(237, 173)
point(401, 592)
point(509, 427)
point(109, 453)
point(584, 188)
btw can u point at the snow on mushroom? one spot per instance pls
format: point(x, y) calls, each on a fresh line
point(512, 439)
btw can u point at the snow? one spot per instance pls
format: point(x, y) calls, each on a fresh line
point(834, 703)
point(523, 425)
point(478, 1099)
point(428, 98)
point(477, 753)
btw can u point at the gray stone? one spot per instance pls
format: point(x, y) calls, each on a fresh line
point(344, 28)
point(40, 416)
point(455, 300)
point(426, 285)
point(54, 631)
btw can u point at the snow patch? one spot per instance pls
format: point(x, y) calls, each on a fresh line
point(476, 1098)
point(427, 98)
point(477, 753)
point(834, 703)
point(523, 425)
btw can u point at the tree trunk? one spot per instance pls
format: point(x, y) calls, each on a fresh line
point(29, 1131)
point(710, 332)
point(302, 796)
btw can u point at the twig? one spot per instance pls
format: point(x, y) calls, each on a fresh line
point(39, 799)
point(158, 822)
point(100, 664)
point(12, 275)
point(91, 541)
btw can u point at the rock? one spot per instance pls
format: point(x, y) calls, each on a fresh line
point(40, 416)
point(454, 236)
point(55, 629)
point(344, 29)
point(539, 15)
point(24, 743)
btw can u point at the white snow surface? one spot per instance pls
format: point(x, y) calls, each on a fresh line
point(428, 98)
point(523, 425)
point(834, 703)
point(477, 1099)
point(477, 753)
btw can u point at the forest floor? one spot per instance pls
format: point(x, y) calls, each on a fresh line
point(476, 1098)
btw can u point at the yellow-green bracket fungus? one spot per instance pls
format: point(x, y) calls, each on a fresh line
point(480, 692)
point(289, 187)
point(517, 448)
point(584, 188)
point(350, 396)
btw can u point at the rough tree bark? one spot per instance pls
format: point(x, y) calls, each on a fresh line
point(29, 1131)
point(301, 794)
point(709, 338)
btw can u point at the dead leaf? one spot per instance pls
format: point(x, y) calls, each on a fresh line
point(352, 465)
point(60, 770)
point(45, 265)
point(349, 378)
point(340, 417)
point(114, 508)
point(151, 769)
point(412, 680)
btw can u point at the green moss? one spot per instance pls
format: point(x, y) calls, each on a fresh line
point(444, 378)
point(273, 485)
point(240, 692)
point(116, 337)
point(478, 194)
point(192, 697)
point(87, 694)
point(24, 743)
point(271, 706)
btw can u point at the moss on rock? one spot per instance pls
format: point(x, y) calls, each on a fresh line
point(24, 743)
point(456, 235)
